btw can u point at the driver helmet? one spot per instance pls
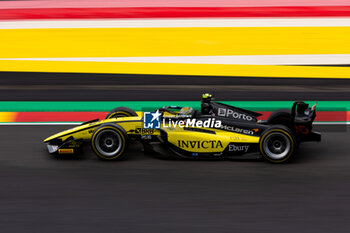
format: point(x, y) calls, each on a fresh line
point(186, 111)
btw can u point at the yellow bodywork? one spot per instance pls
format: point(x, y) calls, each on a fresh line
point(85, 131)
point(204, 140)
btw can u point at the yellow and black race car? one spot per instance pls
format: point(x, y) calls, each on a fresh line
point(216, 131)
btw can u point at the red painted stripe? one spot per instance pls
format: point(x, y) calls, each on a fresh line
point(86, 116)
point(172, 12)
point(58, 116)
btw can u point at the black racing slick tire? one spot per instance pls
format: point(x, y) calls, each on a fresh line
point(109, 142)
point(280, 117)
point(277, 144)
point(121, 112)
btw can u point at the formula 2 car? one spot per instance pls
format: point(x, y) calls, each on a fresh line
point(216, 131)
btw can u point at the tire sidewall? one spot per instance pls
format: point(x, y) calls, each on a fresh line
point(118, 129)
point(287, 132)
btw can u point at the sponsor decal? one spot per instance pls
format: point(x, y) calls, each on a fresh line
point(239, 130)
point(65, 151)
point(151, 120)
point(209, 123)
point(224, 112)
point(238, 148)
point(144, 131)
point(200, 144)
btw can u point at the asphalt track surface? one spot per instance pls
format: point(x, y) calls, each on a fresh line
point(43, 193)
point(16, 86)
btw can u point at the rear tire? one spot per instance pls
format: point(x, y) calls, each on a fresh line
point(280, 117)
point(109, 142)
point(277, 144)
point(121, 112)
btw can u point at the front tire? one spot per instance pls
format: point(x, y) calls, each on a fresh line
point(277, 144)
point(109, 142)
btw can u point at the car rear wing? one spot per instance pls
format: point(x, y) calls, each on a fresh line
point(302, 113)
point(302, 119)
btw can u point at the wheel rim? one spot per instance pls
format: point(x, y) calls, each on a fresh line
point(277, 145)
point(108, 143)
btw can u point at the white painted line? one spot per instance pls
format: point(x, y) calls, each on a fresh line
point(332, 123)
point(179, 23)
point(319, 59)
